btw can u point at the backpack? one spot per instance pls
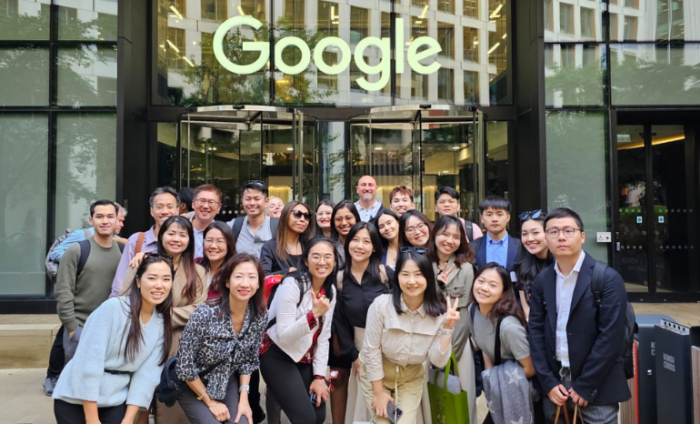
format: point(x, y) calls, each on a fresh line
point(85, 252)
point(469, 227)
point(631, 328)
point(51, 265)
point(301, 281)
point(237, 224)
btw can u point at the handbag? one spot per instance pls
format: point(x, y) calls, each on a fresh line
point(577, 413)
point(447, 407)
point(170, 386)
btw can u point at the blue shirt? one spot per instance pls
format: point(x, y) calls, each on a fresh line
point(74, 237)
point(497, 251)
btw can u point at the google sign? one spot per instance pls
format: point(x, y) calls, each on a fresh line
point(383, 68)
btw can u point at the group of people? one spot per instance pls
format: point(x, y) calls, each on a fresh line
point(353, 303)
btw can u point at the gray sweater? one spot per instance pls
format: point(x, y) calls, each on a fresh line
point(78, 295)
point(101, 348)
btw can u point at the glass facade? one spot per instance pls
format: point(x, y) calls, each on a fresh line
point(57, 158)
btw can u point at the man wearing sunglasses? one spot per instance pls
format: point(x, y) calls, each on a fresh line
point(497, 246)
point(206, 204)
point(255, 228)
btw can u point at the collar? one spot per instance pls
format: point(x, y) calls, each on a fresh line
point(150, 236)
point(377, 203)
point(577, 267)
point(404, 308)
point(501, 242)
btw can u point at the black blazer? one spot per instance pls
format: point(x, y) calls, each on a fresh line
point(273, 264)
point(478, 246)
point(594, 350)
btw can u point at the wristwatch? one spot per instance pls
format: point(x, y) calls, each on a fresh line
point(245, 387)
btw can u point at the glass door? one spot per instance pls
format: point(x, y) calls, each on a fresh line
point(656, 234)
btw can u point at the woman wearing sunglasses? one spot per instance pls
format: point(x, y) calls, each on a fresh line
point(414, 229)
point(451, 257)
point(404, 329)
point(533, 257)
point(283, 253)
point(176, 239)
point(219, 247)
point(121, 353)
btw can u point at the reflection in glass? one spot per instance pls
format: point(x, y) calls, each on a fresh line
point(332, 163)
point(23, 208)
point(167, 155)
point(446, 79)
point(359, 24)
point(446, 39)
point(85, 166)
point(24, 76)
point(471, 8)
point(87, 76)
point(294, 13)
point(577, 169)
point(29, 22)
point(499, 42)
point(78, 22)
point(497, 159)
point(328, 19)
point(419, 86)
point(566, 18)
point(575, 75)
point(579, 20)
point(655, 74)
point(214, 10)
point(471, 87)
point(470, 42)
point(658, 20)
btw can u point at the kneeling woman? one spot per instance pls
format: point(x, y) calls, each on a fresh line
point(294, 354)
point(403, 329)
point(122, 350)
point(223, 336)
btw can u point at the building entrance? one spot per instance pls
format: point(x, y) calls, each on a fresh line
point(656, 239)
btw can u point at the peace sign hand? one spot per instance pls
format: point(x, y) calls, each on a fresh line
point(320, 305)
point(444, 275)
point(451, 316)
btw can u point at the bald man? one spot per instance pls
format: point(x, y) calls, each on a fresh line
point(367, 206)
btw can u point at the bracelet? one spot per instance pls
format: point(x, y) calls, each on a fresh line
point(245, 387)
point(319, 377)
point(445, 332)
point(200, 397)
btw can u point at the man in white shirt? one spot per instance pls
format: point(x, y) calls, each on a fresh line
point(367, 205)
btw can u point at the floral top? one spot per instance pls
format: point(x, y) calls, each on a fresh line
point(207, 339)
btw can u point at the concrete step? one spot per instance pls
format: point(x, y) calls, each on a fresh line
point(25, 340)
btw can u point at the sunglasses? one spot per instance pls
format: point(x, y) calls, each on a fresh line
point(419, 250)
point(531, 214)
point(296, 213)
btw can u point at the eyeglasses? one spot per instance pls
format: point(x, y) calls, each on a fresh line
point(211, 203)
point(218, 242)
point(410, 249)
point(299, 214)
point(553, 233)
point(419, 227)
point(317, 259)
point(531, 214)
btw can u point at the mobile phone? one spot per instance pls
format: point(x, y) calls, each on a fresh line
point(393, 412)
point(313, 395)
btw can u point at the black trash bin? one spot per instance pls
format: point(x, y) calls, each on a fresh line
point(674, 389)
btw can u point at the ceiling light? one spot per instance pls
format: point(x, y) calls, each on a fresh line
point(494, 15)
point(425, 9)
point(378, 148)
point(290, 149)
point(190, 63)
point(495, 46)
point(173, 46)
point(456, 147)
point(240, 10)
point(176, 12)
point(504, 36)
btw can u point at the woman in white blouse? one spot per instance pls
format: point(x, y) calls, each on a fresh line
point(403, 329)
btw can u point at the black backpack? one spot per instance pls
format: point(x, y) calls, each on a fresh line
point(631, 328)
point(85, 252)
point(237, 224)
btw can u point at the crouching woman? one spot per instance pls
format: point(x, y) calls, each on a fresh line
point(219, 347)
point(122, 351)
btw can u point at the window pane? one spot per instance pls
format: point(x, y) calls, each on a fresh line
point(655, 74)
point(85, 166)
point(80, 20)
point(470, 43)
point(656, 20)
point(332, 160)
point(328, 19)
point(24, 76)
point(497, 159)
point(446, 90)
point(214, 10)
point(359, 24)
point(471, 88)
point(574, 75)
point(23, 173)
point(471, 8)
point(446, 34)
point(575, 22)
point(168, 164)
point(499, 42)
point(87, 76)
point(577, 169)
point(23, 20)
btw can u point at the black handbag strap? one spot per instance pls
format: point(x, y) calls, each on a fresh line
point(497, 350)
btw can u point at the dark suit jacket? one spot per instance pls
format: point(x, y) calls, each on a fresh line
point(594, 344)
point(479, 248)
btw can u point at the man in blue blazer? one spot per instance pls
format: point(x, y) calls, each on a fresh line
point(576, 345)
point(497, 246)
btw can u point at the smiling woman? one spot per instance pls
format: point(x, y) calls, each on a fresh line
point(283, 253)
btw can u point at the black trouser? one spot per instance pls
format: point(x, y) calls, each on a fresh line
point(289, 382)
point(199, 413)
point(69, 413)
point(57, 357)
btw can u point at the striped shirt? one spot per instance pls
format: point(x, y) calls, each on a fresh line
point(404, 339)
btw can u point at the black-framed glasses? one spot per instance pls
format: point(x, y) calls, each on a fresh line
point(531, 214)
point(553, 233)
point(211, 203)
point(296, 213)
point(411, 249)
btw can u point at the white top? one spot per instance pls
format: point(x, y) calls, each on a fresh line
point(291, 332)
point(367, 214)
point(565, 292)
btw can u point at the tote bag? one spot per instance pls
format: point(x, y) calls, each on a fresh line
point(447, 407)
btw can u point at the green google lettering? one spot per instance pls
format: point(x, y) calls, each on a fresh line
point(383, 68)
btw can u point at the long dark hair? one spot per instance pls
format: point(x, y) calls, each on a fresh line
point(324, 202)
point(375, 221)
point(506, 305)
point(228, 236)
point(134, 333)
point(345, 204)
point(283, 230)
point(303, 272)
point(375, 258)
point(528, 265)
point(189, 291)
point(403, 240)
point(464, 253)
point(431, 301)
point(223, 275)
